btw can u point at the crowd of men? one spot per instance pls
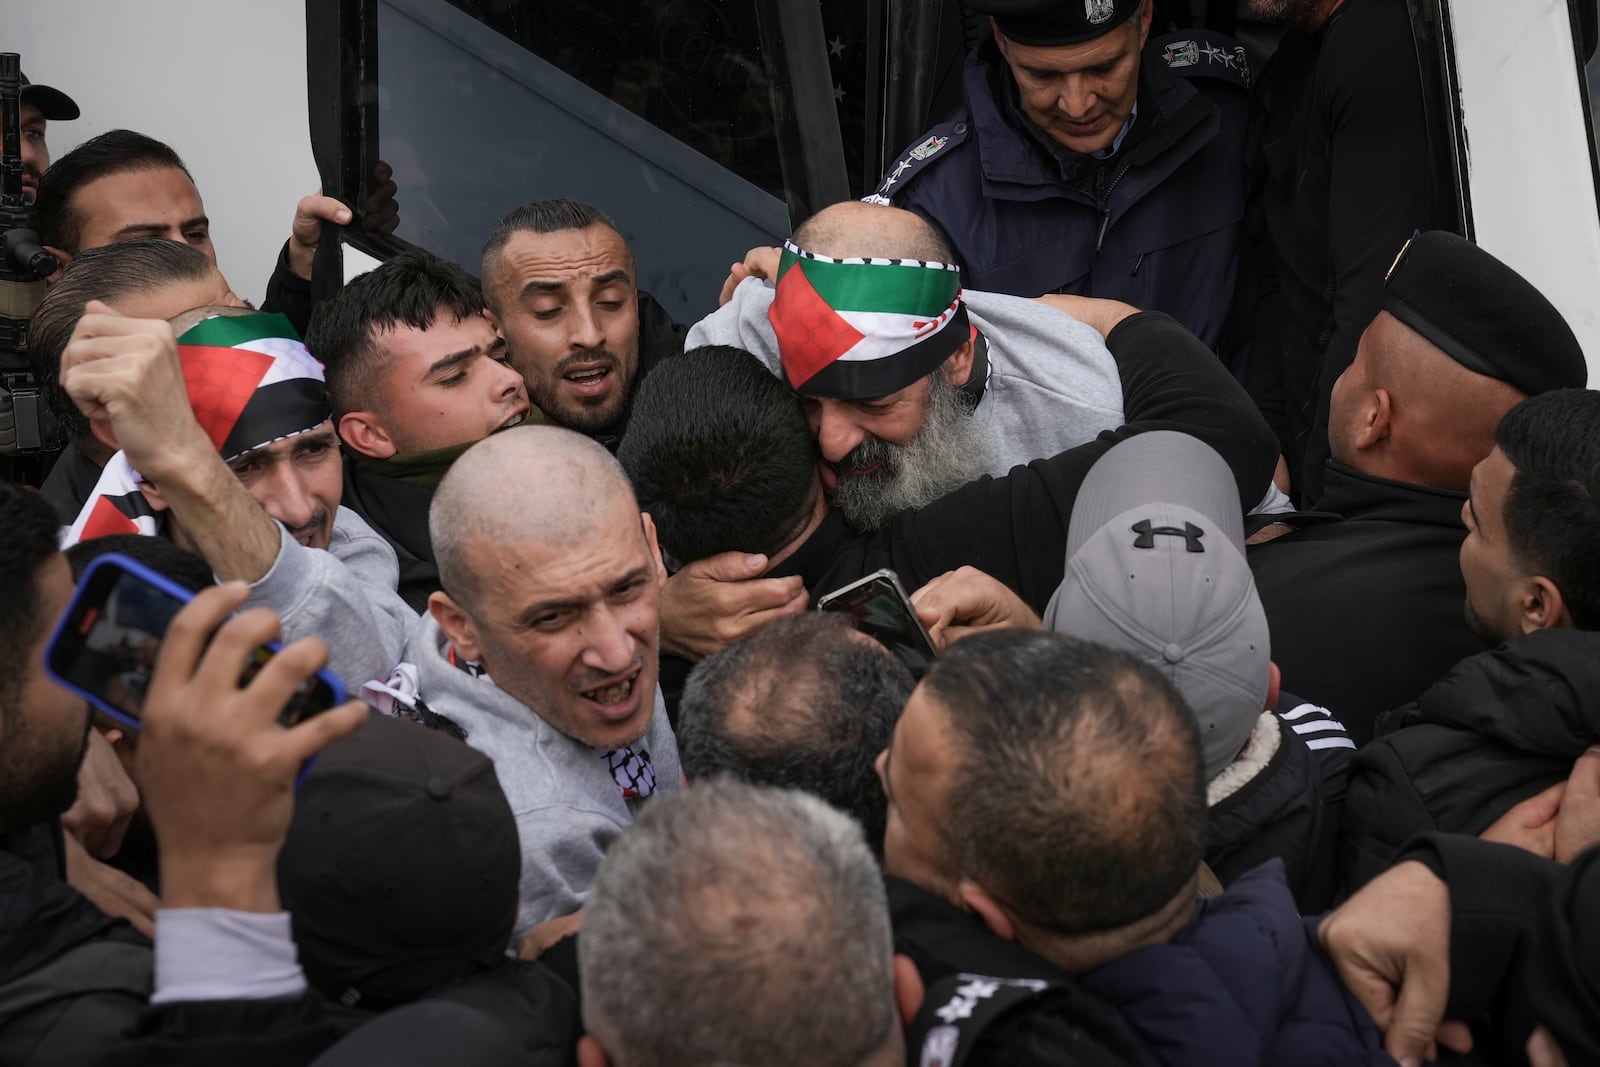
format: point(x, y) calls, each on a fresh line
point(1254, 519)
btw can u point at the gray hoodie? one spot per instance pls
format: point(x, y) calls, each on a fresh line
point(1052, 382)
point(567, 806)
point(345, 595)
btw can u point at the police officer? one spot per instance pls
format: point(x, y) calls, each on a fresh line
point(1087, 159)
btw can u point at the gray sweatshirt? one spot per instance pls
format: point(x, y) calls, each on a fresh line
point(567, 805)
point(1052, 382)
point(345, 595)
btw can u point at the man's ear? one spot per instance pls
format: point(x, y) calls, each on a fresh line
point(63, 257)
point(102, 431)
point(456, 624)
point(590, 1054)
point(655, 546)
point(999, 38)
point(958, 366)
point(1543, 607)
point(1378, 411)
point(494, 320)
point(991, 911)
point(909, 992)
point(153, 497)
point(1274, 685)
point(1144, 24)
point(364, 433)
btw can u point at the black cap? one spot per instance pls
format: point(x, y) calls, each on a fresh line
point(1047, 23)
point(52, 103)
point(1483, 314)
point(401, 865)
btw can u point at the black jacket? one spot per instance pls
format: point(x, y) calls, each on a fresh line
point(1367, 613)
point(1015, 527)
point(1524, 945)
point(1496, 730)
point(70, 483)
point(1289, 809)
point(399, 511)
point(1155, 225)
point(1061, 1024)
point(288, 294)
point(1342, 179)
point(74, 985)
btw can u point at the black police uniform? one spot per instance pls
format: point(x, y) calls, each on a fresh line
point(1155, 224)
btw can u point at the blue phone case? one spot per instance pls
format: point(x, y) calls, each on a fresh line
point(116, 561)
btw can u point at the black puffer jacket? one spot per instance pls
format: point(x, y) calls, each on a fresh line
point(1497, 729)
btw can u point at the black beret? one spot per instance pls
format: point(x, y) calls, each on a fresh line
point(1483, 314)
point(1047, 23)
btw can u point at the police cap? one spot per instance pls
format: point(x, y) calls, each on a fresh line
point(1482, 314)
point(1047, 23)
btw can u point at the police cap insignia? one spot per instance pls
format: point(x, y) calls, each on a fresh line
point(1047, 23)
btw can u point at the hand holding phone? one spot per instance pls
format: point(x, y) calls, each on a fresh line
point(879, 607)
point(968, 601)
point(216, 765)
point(105, 646)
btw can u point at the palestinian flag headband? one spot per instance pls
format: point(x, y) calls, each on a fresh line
point(250, 382)
point(858, 328)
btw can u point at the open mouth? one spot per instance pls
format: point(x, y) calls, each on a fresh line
point(515, 419)
point(589, 381)
point(615, 693)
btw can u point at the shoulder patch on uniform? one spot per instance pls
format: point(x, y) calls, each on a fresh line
point(1201, 53)
point(911, 161)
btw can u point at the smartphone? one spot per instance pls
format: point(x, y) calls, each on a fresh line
point(879, 607)
point(104, 647)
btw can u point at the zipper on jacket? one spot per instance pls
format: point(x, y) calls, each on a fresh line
point(1105, 204)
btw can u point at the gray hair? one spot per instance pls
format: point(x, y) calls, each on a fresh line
point(735, 924)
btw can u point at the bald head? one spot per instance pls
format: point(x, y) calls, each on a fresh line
point(530, 484)
point(852, 228)
point(1407, 411)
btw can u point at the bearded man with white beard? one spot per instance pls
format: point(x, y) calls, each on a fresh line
point(913, 386)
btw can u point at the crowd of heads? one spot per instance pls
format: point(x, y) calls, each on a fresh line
point(1051, 781)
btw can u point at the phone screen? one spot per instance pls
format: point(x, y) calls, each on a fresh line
point(105, 646)
point(880, 609)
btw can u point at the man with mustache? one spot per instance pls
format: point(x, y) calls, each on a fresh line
point(542, 649)
point(1087, 156)
point(562, 288)
point(226, 447)
point(911, 395)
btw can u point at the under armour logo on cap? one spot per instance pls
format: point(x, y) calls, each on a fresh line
point(1190, 533)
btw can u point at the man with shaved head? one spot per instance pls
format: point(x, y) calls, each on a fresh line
point(1365, 614)
point(541, 647)
point(912, 385)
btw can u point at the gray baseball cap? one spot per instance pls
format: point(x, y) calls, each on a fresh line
point(1156, 567)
